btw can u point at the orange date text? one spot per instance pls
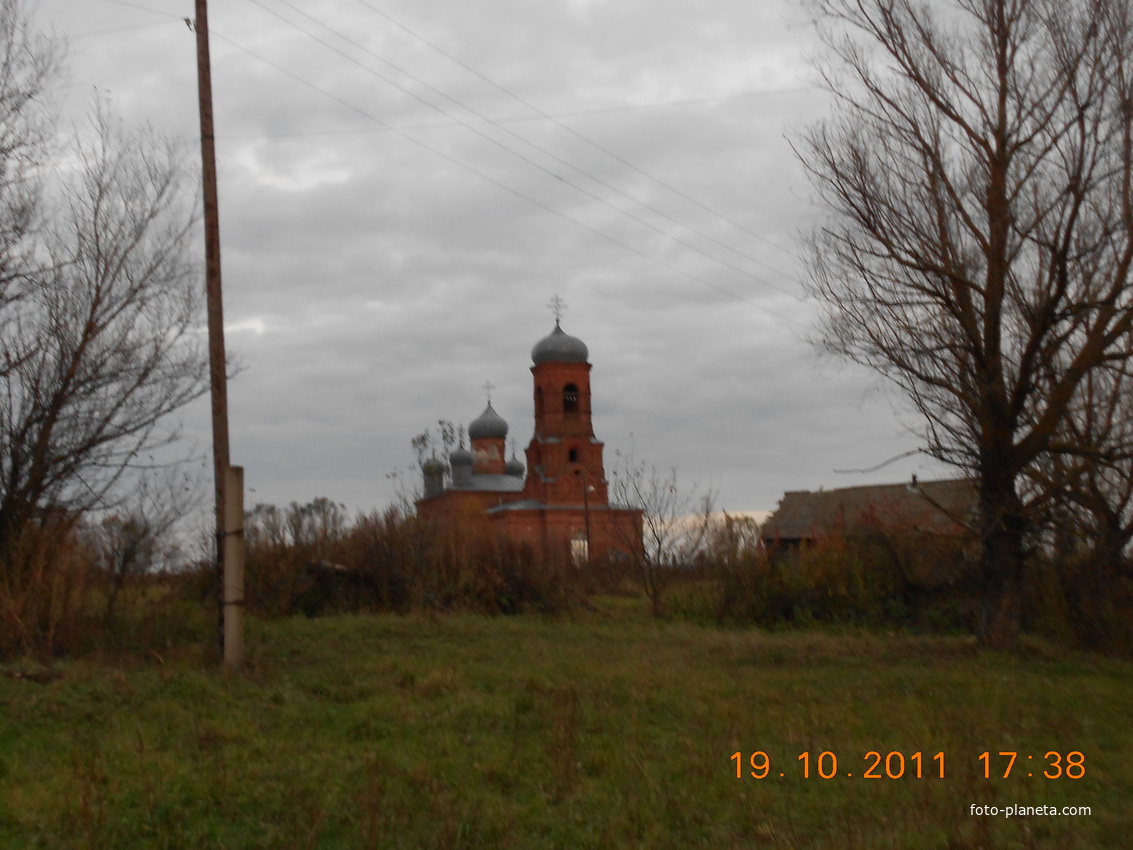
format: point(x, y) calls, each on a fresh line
point(826, 765)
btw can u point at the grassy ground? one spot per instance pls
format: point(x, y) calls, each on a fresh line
point(605, 730)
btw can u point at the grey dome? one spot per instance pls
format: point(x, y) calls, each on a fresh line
point(559, 347)
point(488, 424)
point(460, 457)
point(515, 466)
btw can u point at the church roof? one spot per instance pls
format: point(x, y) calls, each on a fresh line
point(487, 482)
point(559, 347)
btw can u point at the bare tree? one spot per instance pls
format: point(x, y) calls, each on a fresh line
point(1089, 473)
point(101, 342)
point(265, 525)
point(978, 169)
point(731, 538)
point(426, 446)
point(137, 539)
point(1085, 491)
point(29, 65)
point(675, 522)
point(316, 525)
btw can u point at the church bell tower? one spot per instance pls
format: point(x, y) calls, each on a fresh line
point(564, 457)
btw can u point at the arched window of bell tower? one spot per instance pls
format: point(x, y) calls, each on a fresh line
point(538, 401)
point(573, 456)
point(570, 398)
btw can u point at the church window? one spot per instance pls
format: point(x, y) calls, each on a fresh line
point(570, 399)
point(538, 401)
point(573, 455)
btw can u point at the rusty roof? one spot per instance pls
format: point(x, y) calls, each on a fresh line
point(932, 507)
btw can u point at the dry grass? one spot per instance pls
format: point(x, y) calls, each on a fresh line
point(603, 729)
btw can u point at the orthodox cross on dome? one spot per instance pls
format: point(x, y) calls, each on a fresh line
point(487, 388)
point(558, 307)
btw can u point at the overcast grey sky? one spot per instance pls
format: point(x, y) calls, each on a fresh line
point(405, 185)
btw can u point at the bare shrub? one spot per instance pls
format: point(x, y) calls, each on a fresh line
point(280, 543)
point(1083, 600)
point(468, 567)
point(393, 561)
point(889, 572)
point(45, 581)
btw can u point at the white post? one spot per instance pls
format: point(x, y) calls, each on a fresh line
point(234, 567)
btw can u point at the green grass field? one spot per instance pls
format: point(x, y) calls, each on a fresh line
point(604, 730)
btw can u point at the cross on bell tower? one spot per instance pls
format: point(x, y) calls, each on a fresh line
point(558, 307)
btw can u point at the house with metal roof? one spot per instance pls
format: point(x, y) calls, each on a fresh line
point(919, 532)
point(932, 508)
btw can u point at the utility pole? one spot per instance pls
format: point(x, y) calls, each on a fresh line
point(229, 529)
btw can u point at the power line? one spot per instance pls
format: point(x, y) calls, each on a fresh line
point(562, 161)
point(600, 110)
point(147, 9)
point(496, 142)
point(436, 151)
point(464, 123)
point(881, 465)
point(92, 33)
point(574, 132)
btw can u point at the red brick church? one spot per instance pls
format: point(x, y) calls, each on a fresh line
point(561, 505)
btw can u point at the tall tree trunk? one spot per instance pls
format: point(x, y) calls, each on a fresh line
point(1003, 559)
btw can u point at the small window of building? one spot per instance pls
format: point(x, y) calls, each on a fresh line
point(538, 401)
point(573, 456)
point(570, 399)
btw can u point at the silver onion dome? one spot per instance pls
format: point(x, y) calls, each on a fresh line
point(559, 347)
point(488, 424)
